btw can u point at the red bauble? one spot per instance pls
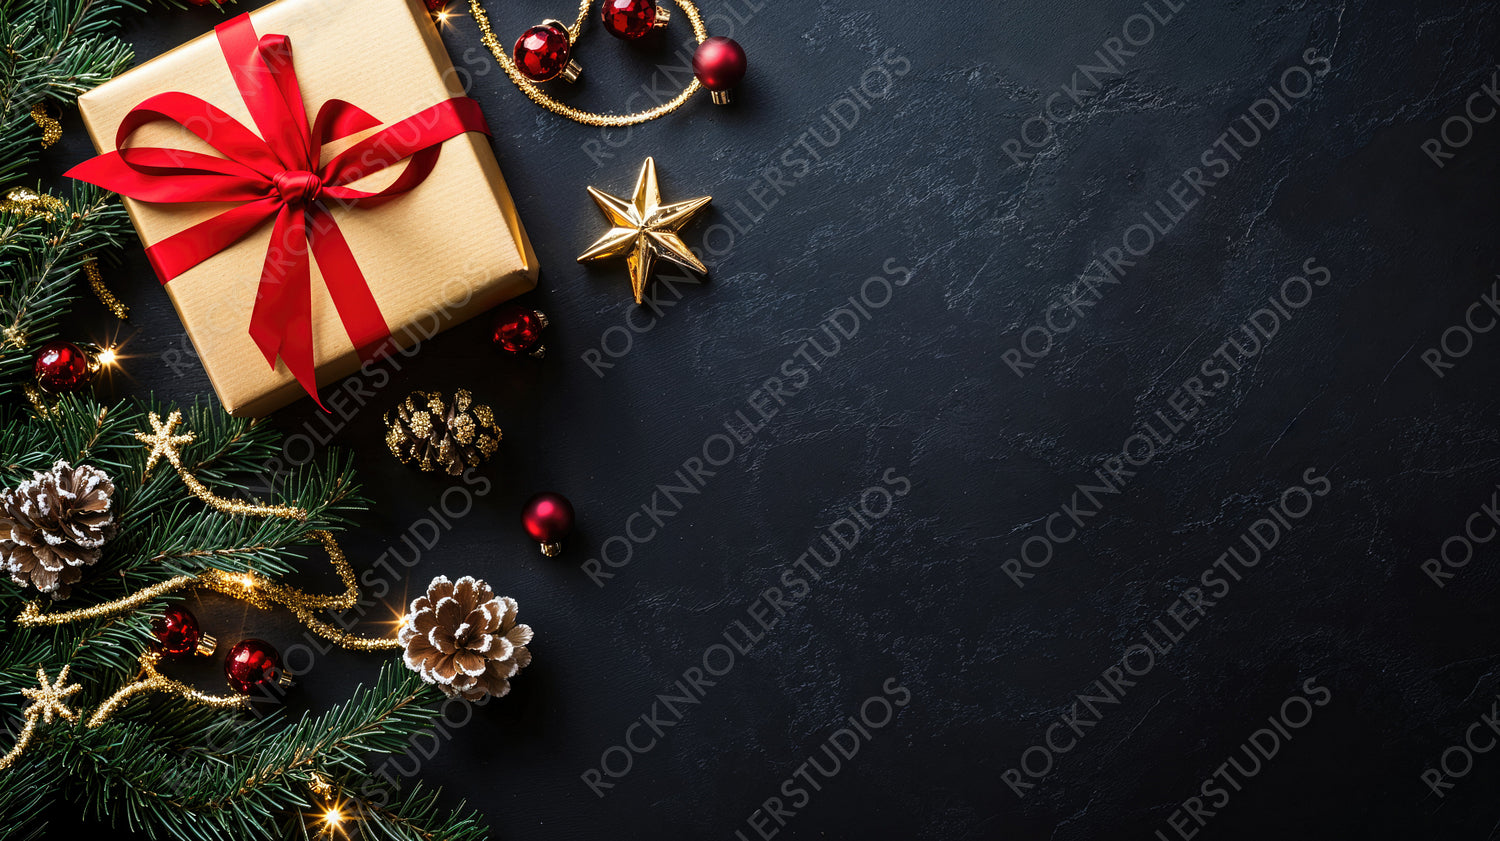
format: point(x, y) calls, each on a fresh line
point(631, 19)
point(251, 663)
point(436, 6)
point(62, 366)
point(548, 517)
point(176, 630)
point(720, 64)
point(518, 330)
point(542, 53)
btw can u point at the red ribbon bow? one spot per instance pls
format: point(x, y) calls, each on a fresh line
point(276, 175)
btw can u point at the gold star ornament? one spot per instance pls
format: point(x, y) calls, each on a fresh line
point(48, 700)
point(162, 442)
point(644, 229)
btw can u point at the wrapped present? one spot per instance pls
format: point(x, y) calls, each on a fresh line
point(313, 189)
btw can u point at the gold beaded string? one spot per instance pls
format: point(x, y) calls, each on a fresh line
point(577, 28)
point(540, 97)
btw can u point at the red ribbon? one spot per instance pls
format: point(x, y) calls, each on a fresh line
point(276, 176)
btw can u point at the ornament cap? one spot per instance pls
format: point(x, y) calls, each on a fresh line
point(722, 97)
point(551, 550)
point(663, 17)
point(284, 678)
point(571, 73)
point(206, 645)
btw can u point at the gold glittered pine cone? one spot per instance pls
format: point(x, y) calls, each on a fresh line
point(436, 435)
point(463, 638)
point(54, 525)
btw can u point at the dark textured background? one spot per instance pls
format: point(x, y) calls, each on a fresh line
point(923, 179)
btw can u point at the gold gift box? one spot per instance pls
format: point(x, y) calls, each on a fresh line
point(448, 250)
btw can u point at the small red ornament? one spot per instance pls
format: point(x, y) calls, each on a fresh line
point(436, 6)
point(548, 517)
point(518, 330)
point(62, 367)
point(633, 19)
point(542, 53)
point(720, 64)
point(254, 662)
point(176, 630)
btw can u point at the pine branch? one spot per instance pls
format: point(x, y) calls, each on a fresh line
point(420, 817)
point(41, 259)
point(239, 790)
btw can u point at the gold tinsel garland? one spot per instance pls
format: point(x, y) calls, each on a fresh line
point(154, 681)
point(106, 297)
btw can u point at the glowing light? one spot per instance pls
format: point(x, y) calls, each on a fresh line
point(334, 820)
point(247, 581)
point(108, 356)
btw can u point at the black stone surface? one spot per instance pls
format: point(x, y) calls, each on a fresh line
point(1338, 623)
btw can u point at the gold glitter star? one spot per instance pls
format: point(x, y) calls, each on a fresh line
point(163, 443)
point(645, 229)
point(50, 697)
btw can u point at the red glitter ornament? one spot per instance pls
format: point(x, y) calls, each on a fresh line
point(633, 19)
point(720, 64)
point(176, 631)
point(436, 6)
point(518, 330)
point(542, 53)
point(254, 662)
point(548, 517)
point(62, 367)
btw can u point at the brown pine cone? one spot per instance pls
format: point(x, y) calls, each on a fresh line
point(53, 526)
point(438, 436)
point(463, 638)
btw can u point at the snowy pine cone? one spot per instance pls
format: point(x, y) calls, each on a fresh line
point(463, 638)
point(53, 525)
